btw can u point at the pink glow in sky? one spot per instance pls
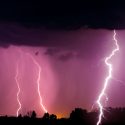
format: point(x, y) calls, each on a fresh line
point(72, 70)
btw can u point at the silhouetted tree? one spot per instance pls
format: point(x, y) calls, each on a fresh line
point(46, 116)
point(33, 115)
point(53, 117)
point(20, 116)
point(78, 116)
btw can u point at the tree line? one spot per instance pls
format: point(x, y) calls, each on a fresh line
point(79, 116)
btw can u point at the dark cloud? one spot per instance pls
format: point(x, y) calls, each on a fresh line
point(64, 14)
point(4, 44)
point(62, 54)
point(61, 44)
point(29, 23)
point(52, 51)
point(67, 56)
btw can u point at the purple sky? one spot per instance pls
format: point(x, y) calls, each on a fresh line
point(73, 69)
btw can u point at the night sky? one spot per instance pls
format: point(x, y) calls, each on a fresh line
point(70, 41)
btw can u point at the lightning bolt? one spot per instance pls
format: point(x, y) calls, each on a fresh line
point(38, 81)
point(109, 65)
point(18, 92)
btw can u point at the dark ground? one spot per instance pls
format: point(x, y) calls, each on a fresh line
point(77, 117)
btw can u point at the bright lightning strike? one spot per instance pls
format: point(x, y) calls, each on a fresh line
point(109, 65)
point(18, 92)
point(38, 82)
